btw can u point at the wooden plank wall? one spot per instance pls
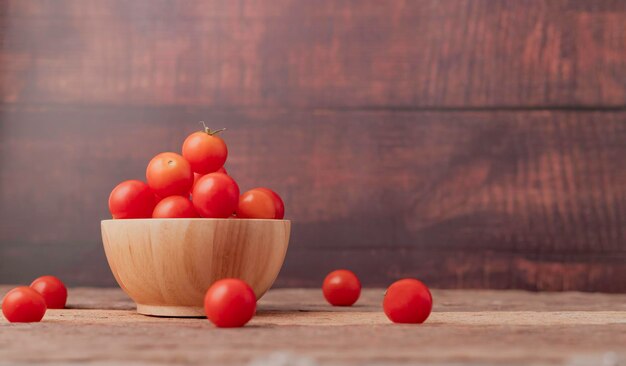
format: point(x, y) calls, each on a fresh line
point(473, 144)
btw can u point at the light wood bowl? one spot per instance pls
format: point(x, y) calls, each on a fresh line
point(167, 265)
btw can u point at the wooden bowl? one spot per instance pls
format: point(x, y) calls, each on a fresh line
point(167, 265)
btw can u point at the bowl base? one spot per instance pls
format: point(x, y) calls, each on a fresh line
point(171, 311)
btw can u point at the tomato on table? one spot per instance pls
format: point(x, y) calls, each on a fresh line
point(174, 207)
point(205, 151)
point(169, 174)
point(230, 303)
point(256, 204)
point(408, 301)
point(53, 291)
point(215, 195)
point(23, 305)
point(131, 199)
point(341, 288)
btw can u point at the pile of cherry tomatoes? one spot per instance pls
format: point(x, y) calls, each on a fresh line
point(198, 173)
point(195, 184)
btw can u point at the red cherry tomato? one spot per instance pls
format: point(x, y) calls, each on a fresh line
point(53, 291)
point(205, 152)
point(215, 196)
point(169, 174)
point(230, 303)
point(131, 199)
point(408, 301)
point(341, 288)
point(23, 305)
point(280, 206)
point(174, 207)
point(197, 176)
point(256, 204)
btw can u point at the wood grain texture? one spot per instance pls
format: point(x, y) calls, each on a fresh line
point(465, 328)
point(533, 200)
point(312, 54)
point(470, 143)
point(167, 265)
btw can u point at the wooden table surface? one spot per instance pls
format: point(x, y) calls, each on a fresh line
point(296, 327)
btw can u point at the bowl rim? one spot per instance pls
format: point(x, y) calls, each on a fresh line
point(193, 219)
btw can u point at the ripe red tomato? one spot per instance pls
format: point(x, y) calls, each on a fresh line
point(341, 288)
point(23, 305)
point(215, 196)
point(131, 199)
point(174, 207)
point(197, 176)
point(169, 174)
point(280, 206)
point(256, 204)
point(53, 291)
point(205, 151)
point(408, 301)
point(230, 303)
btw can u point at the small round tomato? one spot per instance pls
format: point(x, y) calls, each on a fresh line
point(256, 204)
point(341, 288)
point(408, 301)
point(53, 291)
point(169, 174)
point(131, 199)
point(205, 151)
point(280, 206)
point(23, 305)
point(230, 303)
point(215, 196)
point(197, 176)
point(174, 207)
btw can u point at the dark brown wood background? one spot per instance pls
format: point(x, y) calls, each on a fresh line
point(476, 143)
